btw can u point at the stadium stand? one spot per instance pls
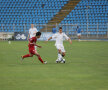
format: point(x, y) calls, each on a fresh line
point(91, 12)
point(19, 12)
point(17, 15)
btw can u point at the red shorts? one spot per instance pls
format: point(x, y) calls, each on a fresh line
point(32, 50)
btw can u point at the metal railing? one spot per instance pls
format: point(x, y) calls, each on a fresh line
point(90, 31)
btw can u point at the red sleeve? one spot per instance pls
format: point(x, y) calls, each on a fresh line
point(31, 40)
point(35, 39)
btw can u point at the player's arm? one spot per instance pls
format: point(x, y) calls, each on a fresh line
point(35, 31)
point(67, 38)
point(70, 41)
point(28, 36)
point(54, 36)
point(31, 41)
point(37, 45)
point(49, 38)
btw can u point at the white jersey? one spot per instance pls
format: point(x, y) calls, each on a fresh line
point(32, 32)
point(59, 38)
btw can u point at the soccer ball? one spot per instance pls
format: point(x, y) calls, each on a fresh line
point(60, 61)
point(63, 61)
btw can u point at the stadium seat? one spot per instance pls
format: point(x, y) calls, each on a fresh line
point(20, 12)
point(96, 11)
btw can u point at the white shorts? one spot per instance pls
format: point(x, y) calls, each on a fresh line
point(61, 47)
point(78, 34)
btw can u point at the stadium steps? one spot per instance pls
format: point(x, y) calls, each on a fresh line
point(61, 15)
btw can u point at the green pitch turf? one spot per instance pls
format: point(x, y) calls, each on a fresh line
point(86, 67)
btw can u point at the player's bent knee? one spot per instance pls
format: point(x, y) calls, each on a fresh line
point(37, 55)
point(63, 54)
point(59, 51)
point(31, 55)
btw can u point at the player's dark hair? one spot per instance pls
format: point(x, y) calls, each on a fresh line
point(38, 33)
point(60, 27)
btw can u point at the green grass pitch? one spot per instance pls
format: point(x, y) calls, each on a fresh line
point(86, 67)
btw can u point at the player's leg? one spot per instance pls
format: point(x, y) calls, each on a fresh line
point(27, 55)
point(59, 56)
point(59, 53)
point(39, 57)
point(63, 53)
point(79, 36)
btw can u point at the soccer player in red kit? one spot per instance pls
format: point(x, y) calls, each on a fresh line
point(32, 50)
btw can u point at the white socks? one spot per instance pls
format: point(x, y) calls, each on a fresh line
point(59, 57)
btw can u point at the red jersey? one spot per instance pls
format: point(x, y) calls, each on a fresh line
point(32, 41)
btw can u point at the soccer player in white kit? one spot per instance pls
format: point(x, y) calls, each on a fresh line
point(59, 44)
point(32, 32)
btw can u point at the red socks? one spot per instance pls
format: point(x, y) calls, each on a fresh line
point(28, 55)
point(40, 59)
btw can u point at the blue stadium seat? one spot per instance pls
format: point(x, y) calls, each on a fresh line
point(96, 11)
point(20, 12)
point(33, 11)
